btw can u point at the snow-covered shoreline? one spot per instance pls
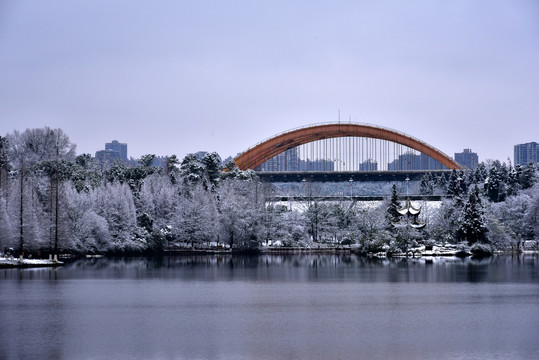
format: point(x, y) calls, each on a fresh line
point(16, 262)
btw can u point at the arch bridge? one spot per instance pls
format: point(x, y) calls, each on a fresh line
point(347, 148)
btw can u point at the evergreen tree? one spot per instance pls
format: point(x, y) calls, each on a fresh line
point(85, 173)
point(441, 184)
point(528, 177)
point(146, 160)
point(495, 187)
point(392, 214)
point(463, 180)
point(117, 172)
point(513, 183)
point(481, 173)
point(171, 169)
point(503, 171)
point(191, 169)
point(212, 165)
point(532, 217)
point(426, 186)
point(472, 222)
point(454, 188)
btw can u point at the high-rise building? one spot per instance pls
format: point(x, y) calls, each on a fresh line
point(467, 159)
point(113, 151)
point(368, 165)
point(414, 161)
point(526, 153)
point(106, 157)
point(118, 147)
point(289, 161)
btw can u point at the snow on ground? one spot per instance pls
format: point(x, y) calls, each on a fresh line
point(302, 206)
point(11, 261)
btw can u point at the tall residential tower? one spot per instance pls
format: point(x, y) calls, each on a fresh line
point(526, 153)
point(467, 158)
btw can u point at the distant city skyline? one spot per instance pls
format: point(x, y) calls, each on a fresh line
point(180, 77)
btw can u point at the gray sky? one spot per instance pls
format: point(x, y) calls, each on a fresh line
point(173, 77)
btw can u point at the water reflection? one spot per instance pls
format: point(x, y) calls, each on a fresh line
point(521, 268)
point(271, 307)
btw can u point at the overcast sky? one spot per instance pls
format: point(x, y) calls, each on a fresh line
point(174, 77)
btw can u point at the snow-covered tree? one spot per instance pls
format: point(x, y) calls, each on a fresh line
point(272, 221)
point(293, 228)
point(27, 218)
point(4, 167)
point(241, 211)
point(233, 218)
point(191, 169)
point(316, 216)
point(22, 213)
point(6, 229)
point(513, 214)
point(196, 217)
point(392, 214)
point(532, 216)
point(472, 222)
point(495, 188)
point(440, 185)
point(89, 231)
point(159, 199)
point(426, 186)
point(171, 168)
point(513, 180)
point(212, 167)
point(115, 203)
point(528, 177)
point(85, 173)
point(146, 160)
point(454, 188)
point(445, 221)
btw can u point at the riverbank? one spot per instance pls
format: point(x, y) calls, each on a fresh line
point(17, 262)
point(420, 252)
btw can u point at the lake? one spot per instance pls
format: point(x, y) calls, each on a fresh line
point(272, 307)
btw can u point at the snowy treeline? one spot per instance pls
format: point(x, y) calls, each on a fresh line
point(52, 200)
point(494, 204)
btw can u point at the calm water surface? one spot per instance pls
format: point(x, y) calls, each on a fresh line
point(272, 307)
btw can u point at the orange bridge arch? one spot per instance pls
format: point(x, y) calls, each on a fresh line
point(260, 153)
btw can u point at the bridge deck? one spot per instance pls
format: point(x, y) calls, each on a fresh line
point(353, 198)
point(343, 176)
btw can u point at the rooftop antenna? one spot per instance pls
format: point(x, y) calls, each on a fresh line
point(339, 116)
